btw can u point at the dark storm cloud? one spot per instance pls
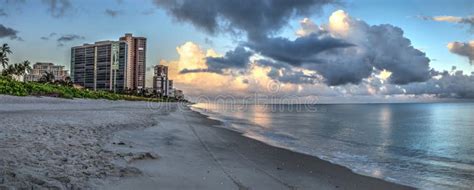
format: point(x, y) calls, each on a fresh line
point(6, 32)
point(290, 76)
point(256, 18)
point(113, 13)
point(237, 58)
point(302, 50)
point(379, 47)
point(338, 59)
point(57, 8)
point(283, 72)
point(234, 59)
point(343, 71)
point(391, 51)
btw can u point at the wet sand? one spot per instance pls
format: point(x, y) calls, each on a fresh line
point(97, 144)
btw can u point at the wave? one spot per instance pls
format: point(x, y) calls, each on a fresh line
point(354, 155)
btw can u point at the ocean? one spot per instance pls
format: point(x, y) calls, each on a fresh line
point(425, 145)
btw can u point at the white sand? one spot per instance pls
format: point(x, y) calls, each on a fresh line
point(57, 143)
point(97, 144)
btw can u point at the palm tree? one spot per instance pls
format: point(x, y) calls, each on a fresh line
point(9, 71)
point(23, 68)
point(27, 66)
point(4, 51)
point(17, 70)
point(48, 77)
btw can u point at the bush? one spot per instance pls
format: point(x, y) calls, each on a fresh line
point(12, 87)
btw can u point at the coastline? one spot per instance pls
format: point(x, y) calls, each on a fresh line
point(170, 147)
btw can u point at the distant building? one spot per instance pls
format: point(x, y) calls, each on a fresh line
point(100, 66)
point(170, 91)
point(160, 80)
point(39, 69)
point(162, 85)
point(136, 59)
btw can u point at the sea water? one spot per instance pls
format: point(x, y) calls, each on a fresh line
point(428, 146)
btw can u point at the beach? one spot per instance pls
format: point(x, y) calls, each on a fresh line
point(49, 143)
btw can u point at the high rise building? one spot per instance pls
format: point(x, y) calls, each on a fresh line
point(39, 69)
point(161, 83)
point(136, 68)
point(100, 66)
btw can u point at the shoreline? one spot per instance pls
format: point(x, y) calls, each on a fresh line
point(285, 149)
point(141, 145)
point(292, 170)
point(220, 123)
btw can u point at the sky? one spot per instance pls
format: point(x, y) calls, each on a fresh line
point(345, 50)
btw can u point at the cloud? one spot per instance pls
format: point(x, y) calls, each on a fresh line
point(256, 18)
point(469, 20)
point(57, 8)
point(455, 85)
point(193, 58)
point(346, 50)
point(302, 50)
point(307, 27)
point(379, 47)
point(237, 58)
point(6, 32)
point(113, 13)
point(290, 76)
point(465, 49)
point(3, 13)
point(49, 36)
point(263, 76)
point(343, 57)
point(68, 38)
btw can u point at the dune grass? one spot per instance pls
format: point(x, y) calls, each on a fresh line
point(12, 87)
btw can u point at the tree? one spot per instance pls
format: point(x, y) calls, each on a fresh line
point(18, 69)
point(48, 77)
point(9, 71)
point(23, 68)
point(4, 51)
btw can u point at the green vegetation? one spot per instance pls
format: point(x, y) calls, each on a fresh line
point(9, 86)
point(48, 86)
